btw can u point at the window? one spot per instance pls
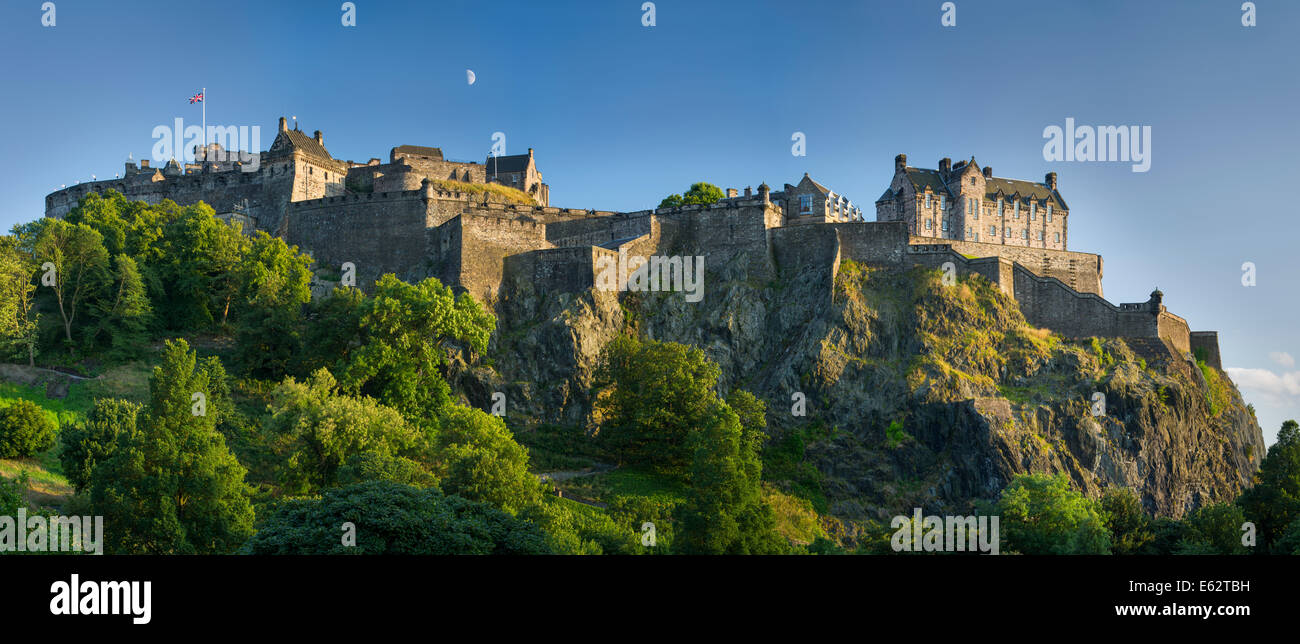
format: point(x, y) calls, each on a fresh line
point(1017, 210)
point(927, 200)
point(1033, 210)
point(943, 202)
point(805, 204)
point(945, 225)
point(929, 224)
point(1007, 232)
point(1000, 210)
point(972, 181)
point(993, 231)
point(1024, 233)
point(1058, 238)
point(1049, 213)
point(1040, 235)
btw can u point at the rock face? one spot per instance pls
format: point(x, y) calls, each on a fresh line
point(916, 392)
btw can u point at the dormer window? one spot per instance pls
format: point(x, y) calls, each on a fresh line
point(1016, 210)
point(805, 204)
point(1033, 210)
point(1049, 213)
point(927, 200)
point(1000, 210)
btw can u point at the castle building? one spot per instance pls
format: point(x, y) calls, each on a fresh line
point(967, 203)
point(421, 215)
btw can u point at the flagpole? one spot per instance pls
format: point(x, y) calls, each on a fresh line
point(205, 122)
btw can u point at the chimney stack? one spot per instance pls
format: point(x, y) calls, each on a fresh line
point(731, 193)
point(319, 138)
point(749, 192)
point(945, 164)
point(284, 125)
point(530, 153)
point(763, 192)
point(900, 163)
point(988, 172)
point(1050, 179)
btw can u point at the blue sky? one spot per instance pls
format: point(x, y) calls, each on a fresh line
point(621, 114)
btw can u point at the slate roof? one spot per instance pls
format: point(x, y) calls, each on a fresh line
point(297, 140)
point(922, 178)
point(418, 150)
point(512, 163)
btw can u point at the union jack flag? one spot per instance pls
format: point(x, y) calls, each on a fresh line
point(197, 98)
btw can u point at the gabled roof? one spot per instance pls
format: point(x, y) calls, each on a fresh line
point(1026, 189)
point(289, 141)
point(922, 179)
point(512, 163)
point(807, 180)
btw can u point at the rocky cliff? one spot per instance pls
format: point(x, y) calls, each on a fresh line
point(915, 392)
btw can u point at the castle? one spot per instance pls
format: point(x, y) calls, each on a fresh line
point(422, 215)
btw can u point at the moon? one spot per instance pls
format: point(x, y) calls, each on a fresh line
point(469, 76)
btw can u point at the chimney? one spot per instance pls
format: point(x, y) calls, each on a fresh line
point(319, 139)
point(731, 193)
point(749, 192)
point(144, 163)
point(900, 163)
point(1050, 179)
point(284, 126)
point(530, 153)
point(945, 164)
point(763, 191)
point(988, 172)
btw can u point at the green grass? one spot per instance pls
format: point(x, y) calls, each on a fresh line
point(626, 482)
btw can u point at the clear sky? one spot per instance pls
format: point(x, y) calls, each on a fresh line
point(621, 114)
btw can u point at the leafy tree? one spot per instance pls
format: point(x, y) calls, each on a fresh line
point(1273, 503)
point(314, 430)
point(25, 430)
point(186, 493)
point(11, 495)
point(652, 397)
point(405, 330)
point(1213, 529)
point(1289, 542)
point(700, 193)
point(196, 269)
point(477, 458)
point(390, 518)
point(18, 320)
point(371, 466)
point(1130, 527)
point(123, 313)
point(332, 328)
point(80, 266)
point(89, 443)
point(1040, 514)
point(273, 283)
point(725, 512)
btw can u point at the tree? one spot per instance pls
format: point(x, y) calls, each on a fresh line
point(314, 430)
point(186, 492)
point(700, 193)
point(273, 283)
point(1040, 514)
point(80, 266)
point(725, 512)
point(89, 443)
point(405, 331)
point(18, 320)
point(390, 518)
point(197, 259)
point(25, 430)
point(651, 397)
point(1214, 529)
point(123, 313)
point(1273, 503)
point(478, 459)
point(1129, 525)
point(332, 328)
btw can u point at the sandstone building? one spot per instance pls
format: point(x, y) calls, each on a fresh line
point(418, 215)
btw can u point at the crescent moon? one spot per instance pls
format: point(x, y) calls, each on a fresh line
point(469, 76)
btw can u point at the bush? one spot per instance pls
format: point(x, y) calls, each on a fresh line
point(25, 430)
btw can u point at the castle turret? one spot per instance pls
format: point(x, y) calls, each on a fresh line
point(763, 192)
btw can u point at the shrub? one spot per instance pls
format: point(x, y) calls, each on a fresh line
point(25, 430)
